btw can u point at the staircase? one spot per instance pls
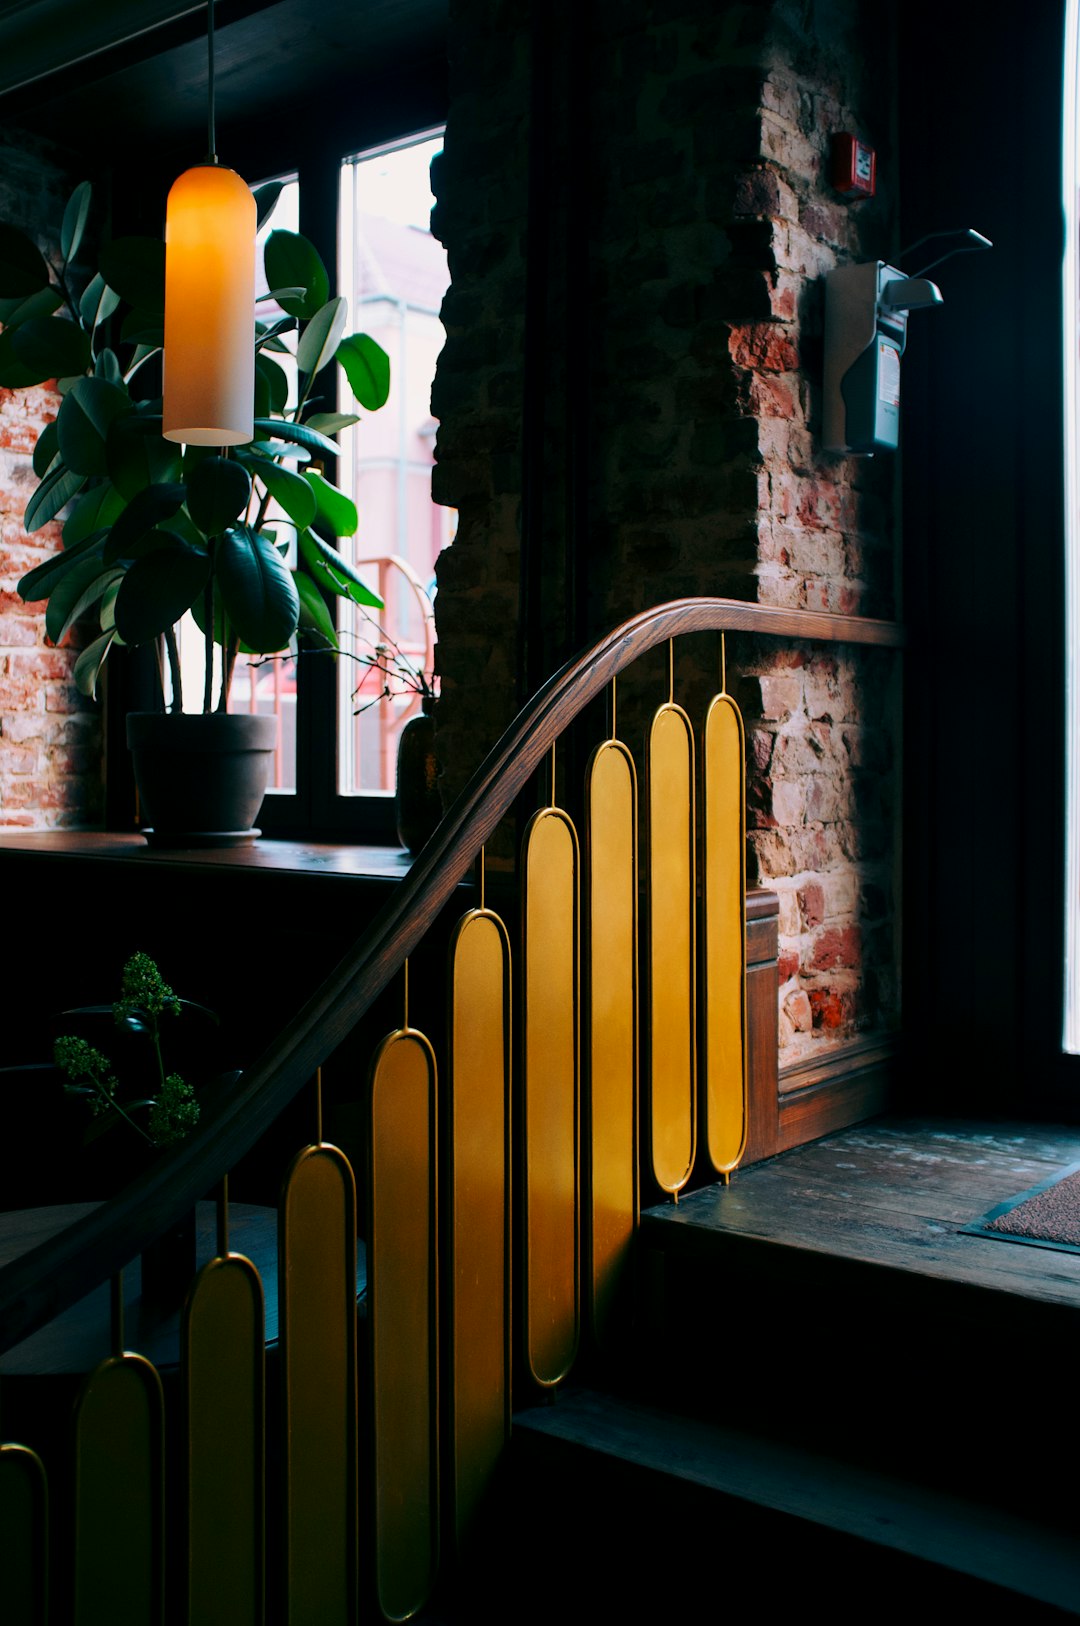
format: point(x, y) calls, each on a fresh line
point(838, 1396)
point(507, 1134)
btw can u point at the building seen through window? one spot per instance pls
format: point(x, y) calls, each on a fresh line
point(393, 274)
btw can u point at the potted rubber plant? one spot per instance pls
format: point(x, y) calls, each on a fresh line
point(153, 530)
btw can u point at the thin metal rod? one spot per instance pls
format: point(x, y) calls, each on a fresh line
point(223, 1218)
point(405, 1022)
point(552, 801)
point(116, 1312)
point(211, 122)
point(482, 852)
point(318, 1107)
point(723, 664)
point(671, 670)
point(614, 730)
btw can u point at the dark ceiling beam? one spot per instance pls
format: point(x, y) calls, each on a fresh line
point(56, 46)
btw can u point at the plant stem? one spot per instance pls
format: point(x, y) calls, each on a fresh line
point(232, 649)
point(208, 616)
point(174, 670)
point(111, 1102)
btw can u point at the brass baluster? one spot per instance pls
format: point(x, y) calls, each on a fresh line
point(24, 1536)
point(317, 1308)
point(671, 1031)
point(119, 1488)
point(402, 1241)
point(610, 1046)
point(479, 1296)
point(550, 993)
point(723, 934)
point(222, 1379)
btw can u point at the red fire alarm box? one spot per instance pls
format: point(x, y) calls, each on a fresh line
point(852, 167)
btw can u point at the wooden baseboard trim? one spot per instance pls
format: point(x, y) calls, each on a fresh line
point(818, 1097)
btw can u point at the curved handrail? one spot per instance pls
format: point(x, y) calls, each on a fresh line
point(42, 1283)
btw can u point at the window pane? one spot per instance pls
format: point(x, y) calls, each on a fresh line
point(1071, 304)
point(269, 686)
point(394, 274)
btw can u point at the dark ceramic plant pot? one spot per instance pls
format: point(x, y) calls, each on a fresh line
point(201, 779)
point(419, 807)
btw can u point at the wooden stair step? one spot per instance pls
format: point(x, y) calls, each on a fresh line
point(889, 1529)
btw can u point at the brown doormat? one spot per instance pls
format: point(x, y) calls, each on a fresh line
point(1046, 1216)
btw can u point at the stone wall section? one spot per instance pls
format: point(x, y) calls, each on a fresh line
point(705, 140)
point(481, 183)
point(50, 736)
point(823, 784)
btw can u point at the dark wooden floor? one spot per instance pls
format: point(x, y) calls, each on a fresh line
point(895, 1194)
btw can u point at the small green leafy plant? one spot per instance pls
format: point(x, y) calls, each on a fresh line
point(152, 530)
point(162, 1112)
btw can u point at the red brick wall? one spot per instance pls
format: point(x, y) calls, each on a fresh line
point(50, 737)
point(697, 273)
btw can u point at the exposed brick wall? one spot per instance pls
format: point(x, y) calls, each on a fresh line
point(50, 737)
point(477, 393)
point(697, 270)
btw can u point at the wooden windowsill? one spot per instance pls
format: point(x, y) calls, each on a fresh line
point(363, 862)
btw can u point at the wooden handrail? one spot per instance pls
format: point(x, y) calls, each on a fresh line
point(41, 1284)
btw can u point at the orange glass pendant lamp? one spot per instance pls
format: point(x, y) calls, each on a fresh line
point(209, 363)
point(209, 382)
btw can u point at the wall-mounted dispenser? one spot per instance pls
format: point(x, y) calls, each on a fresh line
point(866, 315)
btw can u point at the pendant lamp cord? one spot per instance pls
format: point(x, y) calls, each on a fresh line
point(211, 131)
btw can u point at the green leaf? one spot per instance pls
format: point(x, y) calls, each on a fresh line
point(163, 537)
point(144, 512)
point(321, 336)
point(334, 573)
point(157, 591)
point(278, 294)
point(71, 232)
point(315, 618)
point(83, 423)
point(22, 265)
point(107, 616)
point(143, 327)
point(328, 423)
point(54, 493)
point(367, 367)
point(137, 456)
point(13, 374)
point(275, 386)
point(268, 334)
point(218, 492)
point(292, 262)
point(135, 267)
point(198, 615)
point(13, 312)
point(297, 432)
point(257, 589)
point(97, 508)
point(194, 457)
point(89, 664)
point(50, 347)
point(108, 367)
point(46, 449)
point(335, 511)
point(40, 582)
point(97, 303)
point(143, 353)
point(80, 589)
point(290, 490)
point(266, 197)
point(260, 450)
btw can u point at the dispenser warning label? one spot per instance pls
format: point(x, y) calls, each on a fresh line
point(888, 374)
